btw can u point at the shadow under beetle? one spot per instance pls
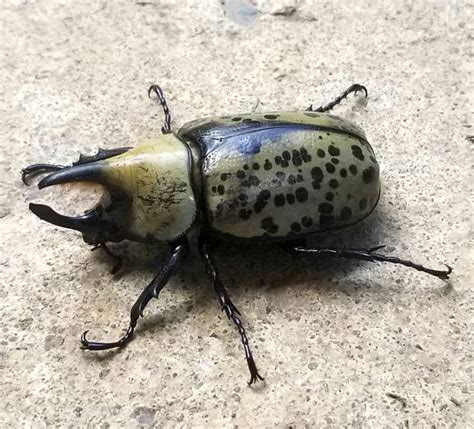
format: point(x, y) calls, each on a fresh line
point(277, 177)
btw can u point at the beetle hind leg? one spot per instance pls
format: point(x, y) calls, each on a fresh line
point(33, 170)
point(180, 251)
point(355, 88)
point(371, 256)
point(231, 311)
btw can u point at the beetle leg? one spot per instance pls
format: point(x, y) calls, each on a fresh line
point(117, 259)
point(34, 169)
point(180, 251)
point(229, 308)
point(355, 88)
point(371, 256)
point(166, 128)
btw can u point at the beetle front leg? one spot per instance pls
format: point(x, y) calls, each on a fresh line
point(355, 88)
point(371, 256)
point(166, 128)
point(118, 260)
point(35, 169)
point(180, 251)
point(229, 308)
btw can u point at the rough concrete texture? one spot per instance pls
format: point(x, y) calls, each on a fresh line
point(332, 339)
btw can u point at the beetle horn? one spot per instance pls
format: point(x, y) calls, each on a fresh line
point(92, 172)
point(89, 223)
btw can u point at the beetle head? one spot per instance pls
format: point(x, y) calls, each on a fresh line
point(149, 194)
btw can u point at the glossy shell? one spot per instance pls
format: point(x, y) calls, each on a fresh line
point(285, 174)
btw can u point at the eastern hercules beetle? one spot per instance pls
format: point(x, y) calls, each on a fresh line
point(277, 177)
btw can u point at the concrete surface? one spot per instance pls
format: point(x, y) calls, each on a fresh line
point(331, 338)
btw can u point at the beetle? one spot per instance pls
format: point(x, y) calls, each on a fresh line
point(274, 177)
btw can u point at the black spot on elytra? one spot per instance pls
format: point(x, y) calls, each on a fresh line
point(326, 220)
point(245, 167)
point(240, 174)
point(297, 161)
point(368, 174)
point(311, 114)
point(243, 197)
point(286, 155)
point(224, 176)
point(236, 119)
point(295, 226)
point(305, 156)
point(270, 116)
point(280, 175)
point(261, 202)
point(330, 168)
point(357, 152)
point(320, 137)
point(343, 172)
point(317, 175)
point(268, 165)
point(251, 121)
point(221, 190)
point(333, 183)
point(301, 195)
point(279, 200)
point(346, 213)
point(363, 204)
point(278, 160)
point(291, 179)
point(299, 178)
point(268, 225)
point(244, 214)
point(234, 204)
point(334, 151)
point(214, 189)
point(321, 153)
point(256, 166)
point(254, 180)
point(353, 169)
point(329, 196)
point(290, 198)
point(326, 208)
point(334, 160)
point(306, 221)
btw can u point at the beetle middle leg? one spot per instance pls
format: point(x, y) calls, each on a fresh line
point(179, 252)
point(229, 308)
point(371, 256)
point(355, 88)
point(35, 169)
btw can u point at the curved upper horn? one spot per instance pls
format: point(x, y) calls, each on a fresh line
point(92, 172)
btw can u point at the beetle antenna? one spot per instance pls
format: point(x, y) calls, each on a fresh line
point(166, 128)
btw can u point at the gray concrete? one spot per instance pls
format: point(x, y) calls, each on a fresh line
point(331, 338)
